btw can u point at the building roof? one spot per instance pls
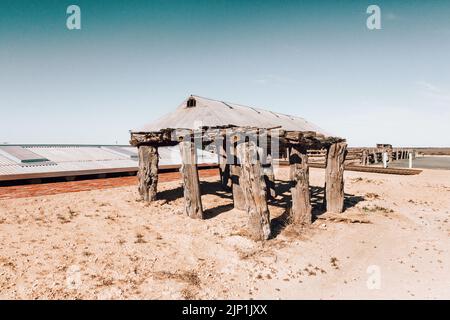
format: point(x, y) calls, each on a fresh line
point(196, 111)
point(45, 161)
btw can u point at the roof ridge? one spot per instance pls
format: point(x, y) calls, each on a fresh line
point(250, 107)
point(229, 102)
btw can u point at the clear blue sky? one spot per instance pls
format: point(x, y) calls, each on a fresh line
point(133, 61)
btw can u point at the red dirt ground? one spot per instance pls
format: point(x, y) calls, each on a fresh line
point(34, 190)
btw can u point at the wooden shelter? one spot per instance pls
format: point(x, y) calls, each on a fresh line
point(246, 140)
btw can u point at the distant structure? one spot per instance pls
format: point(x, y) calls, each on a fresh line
point(367, 156)
point(37, 162)
point(245, 139)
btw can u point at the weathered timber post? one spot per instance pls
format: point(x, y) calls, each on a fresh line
point(235, 171)
point(148, 172)
point(192, 196)
point(334, 177)
point(410, 160)
point(385, 159)
point(364, 157)
point(301, 197)
point(390, 155)
point(224, 167)
point(269, 177)
point(375, 157)
point(254, 191)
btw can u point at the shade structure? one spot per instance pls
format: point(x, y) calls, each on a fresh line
point(195, 112)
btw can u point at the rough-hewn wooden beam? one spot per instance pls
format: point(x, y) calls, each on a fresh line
point(192, 196)
point(334, 177)
point(148, 172)
point(158, 138)
point(301, 198)
point(253, 187)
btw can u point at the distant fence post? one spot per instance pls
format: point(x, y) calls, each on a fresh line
point(385, 159)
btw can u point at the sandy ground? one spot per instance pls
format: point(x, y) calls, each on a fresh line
point(394, 242)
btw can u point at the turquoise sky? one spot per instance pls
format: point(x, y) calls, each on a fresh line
point(133, 61)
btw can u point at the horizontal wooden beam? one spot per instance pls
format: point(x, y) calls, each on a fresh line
point(208, 135)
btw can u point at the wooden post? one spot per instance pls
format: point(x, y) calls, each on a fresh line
point(410, 160)
point(192, 196)
point(301, 197)
point(254, 190)
point(334, 177)
point(375, 157)
point(269, 177)
point(364, 157)
point(224, 167)
point(148, 172)
point(235, 171)
point(385, 159)
point(390, 155)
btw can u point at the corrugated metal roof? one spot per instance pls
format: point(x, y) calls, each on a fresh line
point(22, 154)
point(69, 154)
point(4, 161)
point(209, 112)
point(79, 160)
point(130, 153)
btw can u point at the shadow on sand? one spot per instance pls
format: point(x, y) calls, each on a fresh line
point(283, 200)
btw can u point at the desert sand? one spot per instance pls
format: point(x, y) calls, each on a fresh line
point(105, 244)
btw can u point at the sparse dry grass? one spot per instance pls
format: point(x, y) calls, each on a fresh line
point(334, 262)
point(376, 208)
point(365, 180)
point(372, 196)
point(190, 277)
point(140, 238)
